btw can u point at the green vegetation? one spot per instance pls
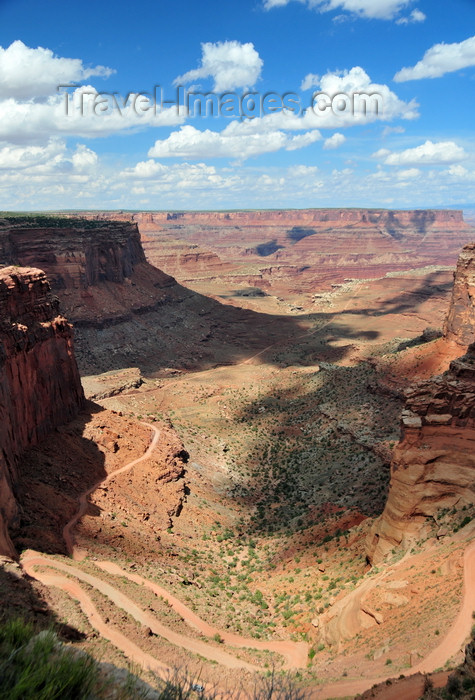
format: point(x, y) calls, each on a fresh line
point(32, 220)
point(37, 667)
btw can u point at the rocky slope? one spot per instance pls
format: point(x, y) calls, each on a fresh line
point(40, 386)
point(301, 249)
point(124, 310)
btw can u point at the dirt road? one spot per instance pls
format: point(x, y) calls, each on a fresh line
point(295, 653)
point(74, 552)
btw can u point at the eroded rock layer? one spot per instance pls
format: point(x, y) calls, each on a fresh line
point(433, 466)
point(40, 387)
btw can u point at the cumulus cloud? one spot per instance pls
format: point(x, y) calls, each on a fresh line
point(79, 114)
point(428, 153)
point(50, 159)
point(415, 17)
point(20, 157)
point(31, 73)
point(231, 65)
point(371, 9)
point(235, 141)
point(84, 159)
point(408, 173)
point(334, 141)
point(439, 60)
point(354, 83)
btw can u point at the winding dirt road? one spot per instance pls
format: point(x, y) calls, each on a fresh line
point(73, 551)
point(295, 653)
point(452, 643)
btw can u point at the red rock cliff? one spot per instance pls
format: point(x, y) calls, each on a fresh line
point(433, 465)
point(460, 322)
point(40, 387)
point(125, 311)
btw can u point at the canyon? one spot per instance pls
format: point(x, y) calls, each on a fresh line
point(243, 461)
point(291, 251)
point(123, 308)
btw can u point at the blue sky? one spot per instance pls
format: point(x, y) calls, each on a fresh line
point(416, 57)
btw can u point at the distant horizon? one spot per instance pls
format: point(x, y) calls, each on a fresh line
point(450, 207)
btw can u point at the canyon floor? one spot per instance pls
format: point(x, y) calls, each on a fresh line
point(224, 549)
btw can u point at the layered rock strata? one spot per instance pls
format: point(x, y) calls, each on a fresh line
point(433, 465)
point(40, 387)
point(303, 249)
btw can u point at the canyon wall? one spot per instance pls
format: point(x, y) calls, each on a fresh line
point(125, 311)
point(299, 250)
point(40, 387)
point(433, 465)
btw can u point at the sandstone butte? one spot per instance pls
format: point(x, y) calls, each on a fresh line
point(301, 250)
point(40, 387)
point(433, 465)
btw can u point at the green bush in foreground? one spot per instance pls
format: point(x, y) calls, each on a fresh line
point(37, 666)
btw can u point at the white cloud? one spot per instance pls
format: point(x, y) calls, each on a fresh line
point(334, 141)
point(372, 9)
point(393, 130)
point(231, 65)
point(458, 171)
point(415, 17)
point(145, 169)
point(19, 157)
point(84, 159)
point(311, 80)
point(428, 153)
point(46, 161)
point(235, 141)
point(353, 83)
point(408, 174)
point(302, 171)
point(31, 73)
point(439, 60)
point(35, 122)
